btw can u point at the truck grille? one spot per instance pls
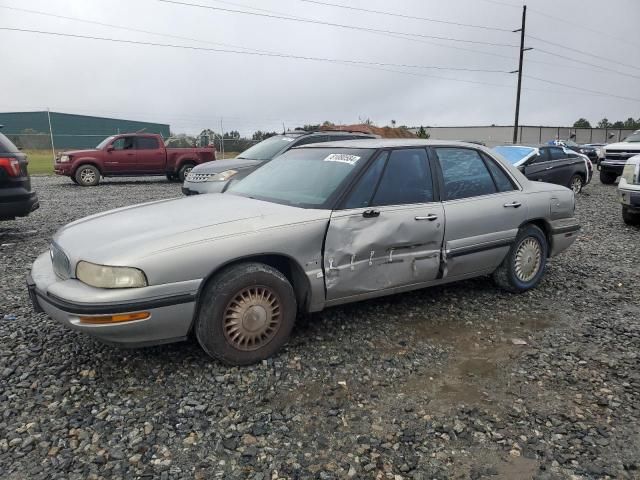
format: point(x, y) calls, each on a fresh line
point(621, 155)
point(199, 177)
point(60, 261)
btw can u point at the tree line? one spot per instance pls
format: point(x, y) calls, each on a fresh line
point(629, 123)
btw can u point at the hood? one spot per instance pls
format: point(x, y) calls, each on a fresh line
point(219, 166)
point(127, 235)
point(623, 146)
point(78, 153)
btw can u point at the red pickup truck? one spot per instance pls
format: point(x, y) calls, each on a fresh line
point(130, 154)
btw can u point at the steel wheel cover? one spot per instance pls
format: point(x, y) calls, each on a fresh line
point(252, 318)
point(87, 175)
point(576, 184)
point(528, 259)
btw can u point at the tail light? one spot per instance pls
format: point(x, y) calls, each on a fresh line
point(11, 165)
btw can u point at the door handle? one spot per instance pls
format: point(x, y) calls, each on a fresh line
point(512, 205)
point(548, 168)
point(431, 217)
point(371, 213)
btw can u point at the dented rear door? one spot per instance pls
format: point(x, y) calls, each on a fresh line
point(394, 238)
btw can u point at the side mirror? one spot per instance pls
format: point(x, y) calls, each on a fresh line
point(110, 148)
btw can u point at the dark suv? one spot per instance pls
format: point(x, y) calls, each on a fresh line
point(16, 197)
point(215, 177)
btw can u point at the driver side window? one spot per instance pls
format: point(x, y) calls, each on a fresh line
point(543, 156)
point(123, 143)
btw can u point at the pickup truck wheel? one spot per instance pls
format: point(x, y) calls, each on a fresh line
point(576, 183)
point(87, 176)
point(184, 171)
point(607, 178)
point(523, 267)
point(246, 314)
point(629, 217)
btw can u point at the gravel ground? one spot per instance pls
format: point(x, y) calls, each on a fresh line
point(462, 381)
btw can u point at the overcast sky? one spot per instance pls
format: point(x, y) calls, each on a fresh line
point(192, 90)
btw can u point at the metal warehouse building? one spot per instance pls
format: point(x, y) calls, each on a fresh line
point(35, 129)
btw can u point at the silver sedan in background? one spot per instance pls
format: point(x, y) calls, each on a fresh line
point(321, 225)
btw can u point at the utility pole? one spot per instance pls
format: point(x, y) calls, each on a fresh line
point(53, 148)
point(519, 71)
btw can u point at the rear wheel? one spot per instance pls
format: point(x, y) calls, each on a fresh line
point(576, 183)
point(629, 217)
point(246, 314)
point(87, 176)
point(523, 267)
point(184, 171)
point(607, 177)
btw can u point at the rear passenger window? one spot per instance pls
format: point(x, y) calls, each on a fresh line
point(147, 143)
point(406, 179)
point(557, 153)
point(465, 174)
point(361, 195)
point(500, 178)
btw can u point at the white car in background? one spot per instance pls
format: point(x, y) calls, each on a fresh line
point(629, 191)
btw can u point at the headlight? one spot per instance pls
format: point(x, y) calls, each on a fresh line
point(222, 176)
point(630, 173)
point(64, 158)
point(103, 276)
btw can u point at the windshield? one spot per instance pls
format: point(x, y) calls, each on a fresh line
point(306, 177)
point(267, 149)
point(514, 154)
point(104, 143)
point(633, 138)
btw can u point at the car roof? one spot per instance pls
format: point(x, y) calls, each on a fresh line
point(332, 133)
point(375, 143)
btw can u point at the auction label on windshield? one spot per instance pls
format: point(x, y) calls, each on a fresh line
point(342, 158)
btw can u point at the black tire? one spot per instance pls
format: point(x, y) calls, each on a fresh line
point(264, 327)
point(506, 275)
point(184, 171)
point(73, 179)
point(629, 217)
point(607, 178)
point(87, 176)
point(576, 183)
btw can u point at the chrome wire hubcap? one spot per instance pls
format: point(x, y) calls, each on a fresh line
point(576, 185)
point(528, 259)
point(87, 176)
point(252, 318)
point(187, 171)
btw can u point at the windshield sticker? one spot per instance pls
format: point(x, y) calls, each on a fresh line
point(288, 139)
point(342, 158)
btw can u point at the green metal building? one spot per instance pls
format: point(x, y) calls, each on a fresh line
point(31, 129)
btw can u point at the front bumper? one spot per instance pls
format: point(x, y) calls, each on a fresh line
point(195, 188)
point(612, 166)
point(630, 198)
point(62, 168)
point(563, 233)
point(13, 206)
point(171, 307)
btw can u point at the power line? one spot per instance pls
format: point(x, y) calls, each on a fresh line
point(206, 49)
point(260, 54)
point(595, 92)
point(584, 27)
point(589, 54)
point(564, 57)
point(338, 25)
point(411, 17)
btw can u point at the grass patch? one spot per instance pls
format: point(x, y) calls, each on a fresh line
point(41, 161)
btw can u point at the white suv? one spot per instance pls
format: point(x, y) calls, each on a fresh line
point(616, 156)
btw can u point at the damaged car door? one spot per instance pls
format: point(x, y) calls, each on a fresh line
point(388, 232)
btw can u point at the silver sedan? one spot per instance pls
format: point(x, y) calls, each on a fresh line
point(321, 225)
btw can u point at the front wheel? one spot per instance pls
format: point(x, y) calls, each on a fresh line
point(607, 178)
point(184, 171)
point(576, 183)
point(523, 267)
point(629, 217)
point(87, 176)
point(246, 314)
